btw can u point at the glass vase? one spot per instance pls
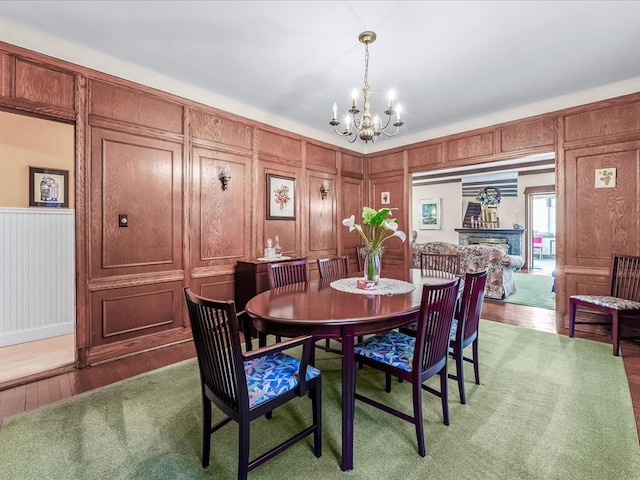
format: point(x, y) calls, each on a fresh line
point(372, 265)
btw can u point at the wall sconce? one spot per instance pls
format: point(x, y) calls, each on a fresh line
point(224, 175)
point(324, 189)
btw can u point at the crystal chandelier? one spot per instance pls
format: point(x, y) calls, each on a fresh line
point(364, 126)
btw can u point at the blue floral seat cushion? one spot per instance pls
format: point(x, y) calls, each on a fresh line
point(271, 375)
point(454, 329)
point(393, 348)
point(606, 301)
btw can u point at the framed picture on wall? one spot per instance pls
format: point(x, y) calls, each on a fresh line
point(48, 187)
point(281, 197)
point(430, 214)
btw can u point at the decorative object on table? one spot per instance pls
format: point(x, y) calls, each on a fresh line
point(385, 286)
point(430, 214)
point(364, 126)
point(48, 187)
point(281, 202)
point(489, 198)
point(277, 249)
point(269, 251)
point(379, 229)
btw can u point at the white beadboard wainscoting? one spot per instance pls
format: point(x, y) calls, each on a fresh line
point(37, 274)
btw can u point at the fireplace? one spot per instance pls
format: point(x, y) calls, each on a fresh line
point(474, 236)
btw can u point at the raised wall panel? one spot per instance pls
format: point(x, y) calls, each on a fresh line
point(124, 314)
point(220, 130)
point(220, 287)
point(525, 135)
point(430, 155)
point(142, 179)
point(352, 195)
point(289, 231)
point(220, 226)
point(393, 189)
point(39, 84)
point(385, 163)
point(128, 105)
point(6, 74)
point(352, 164)
point(608, 120)
point(603, 220)
point(286, 149)
point(322, 216)
point(321, 157)
point(472, 146)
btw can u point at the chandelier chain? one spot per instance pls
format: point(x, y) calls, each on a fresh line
point(366, 65)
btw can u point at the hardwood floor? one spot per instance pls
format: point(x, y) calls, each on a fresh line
point(41, 392)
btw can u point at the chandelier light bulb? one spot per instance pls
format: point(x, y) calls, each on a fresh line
point(366, 126)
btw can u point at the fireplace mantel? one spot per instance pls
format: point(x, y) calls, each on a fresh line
point(489, 230)
point(513, 238)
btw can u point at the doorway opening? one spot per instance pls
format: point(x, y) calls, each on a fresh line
point(541, 229)
point(37, 273)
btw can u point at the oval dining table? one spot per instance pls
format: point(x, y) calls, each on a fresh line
point(316, 308)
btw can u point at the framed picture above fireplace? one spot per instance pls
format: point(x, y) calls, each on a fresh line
point(430, 214)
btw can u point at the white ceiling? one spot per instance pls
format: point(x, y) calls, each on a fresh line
point(454, 65)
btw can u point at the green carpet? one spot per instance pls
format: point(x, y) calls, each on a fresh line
point(549, 407)
point(533, 291)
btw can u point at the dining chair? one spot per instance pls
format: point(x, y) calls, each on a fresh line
point(281, 274)
point(286, 273)
point(245, 386)
point(464, 328)
point(441, 262)
point(333, 267)
point(360, 257)
point(537, 246)
point(623, 299)
point(415, 359)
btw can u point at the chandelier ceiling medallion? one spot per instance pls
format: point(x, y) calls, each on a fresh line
point(364, 126)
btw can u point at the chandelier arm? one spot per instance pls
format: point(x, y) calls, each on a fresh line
point(386, 124)
point(391, 134)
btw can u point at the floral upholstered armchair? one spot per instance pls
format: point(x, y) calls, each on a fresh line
point(500, 266)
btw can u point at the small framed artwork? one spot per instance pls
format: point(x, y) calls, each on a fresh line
point(281, 197)
point(385, 198)
point(430, 214)
point(48, 187)
point(605, 178)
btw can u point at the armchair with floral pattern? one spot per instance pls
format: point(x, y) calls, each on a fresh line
point(473, 258)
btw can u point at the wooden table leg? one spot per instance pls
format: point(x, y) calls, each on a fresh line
point(348, 397)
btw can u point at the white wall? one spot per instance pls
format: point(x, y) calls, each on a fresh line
point(451, 214)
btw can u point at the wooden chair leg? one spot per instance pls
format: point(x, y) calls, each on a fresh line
point(476, 363)
point(460, 376)
point(444, 394)
point(316, 406)
point(572, 317)
point(615, 333)
point(418, 420)
point(243, 451)
point(206, 431)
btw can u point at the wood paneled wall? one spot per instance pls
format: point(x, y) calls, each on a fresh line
point(155, 157)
